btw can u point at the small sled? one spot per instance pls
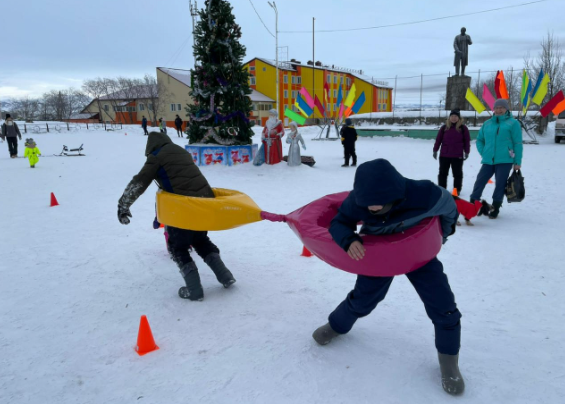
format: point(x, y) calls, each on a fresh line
point(71, 152)
point(308, 160)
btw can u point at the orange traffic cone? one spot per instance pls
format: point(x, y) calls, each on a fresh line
point(161, 225)
point(490, 181)
point(305, 252)
point(145, 341)
point(53, 200)
point(454, 193)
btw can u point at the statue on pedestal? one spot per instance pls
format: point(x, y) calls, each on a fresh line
point(461, 46)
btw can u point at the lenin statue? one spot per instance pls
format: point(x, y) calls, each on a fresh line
point(461, 46)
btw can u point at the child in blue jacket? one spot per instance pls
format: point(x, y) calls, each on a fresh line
point(386, 202)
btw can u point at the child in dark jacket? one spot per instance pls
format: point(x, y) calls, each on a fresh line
point(348, 138)
point(386, 202)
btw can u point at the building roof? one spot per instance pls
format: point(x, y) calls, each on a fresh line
point(355, 73)
point(179, 74)
point(256, 96)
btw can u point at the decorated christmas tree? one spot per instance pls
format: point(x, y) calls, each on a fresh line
point(219, 82)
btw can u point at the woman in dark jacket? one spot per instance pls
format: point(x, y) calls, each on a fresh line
point(454, 140)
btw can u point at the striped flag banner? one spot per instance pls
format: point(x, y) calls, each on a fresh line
point(299, 119)
point(488, 97)
point(319, 105)
point(307, 97)
point(304, 107)
point(552, 104)
point(350, 96)
point(540, 90)
point(474, 101)
point(359, 103)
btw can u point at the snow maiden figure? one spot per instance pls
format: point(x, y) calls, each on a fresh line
point(270, 151)
point(32, 152)
point(293, 138)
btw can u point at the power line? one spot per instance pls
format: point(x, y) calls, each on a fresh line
point(413, 22)
point(260, 19)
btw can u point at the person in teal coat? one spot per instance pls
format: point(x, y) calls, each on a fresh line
point(500, 145)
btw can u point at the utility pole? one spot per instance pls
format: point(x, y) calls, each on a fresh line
point(194, 14)
point(274, 6)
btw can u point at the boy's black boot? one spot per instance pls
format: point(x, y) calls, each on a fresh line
point(223, 274)
point(346, 164)
point(451, 379)
point(193, 289)
point(324, 334)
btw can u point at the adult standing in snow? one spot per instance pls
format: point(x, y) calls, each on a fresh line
point(178, 126)
point(11, 133)
point(174, 170)
point(500, 145)
point(454, 140)
point(293, 138)
point(461, 48)
point(386, 202)
point(144, 125)
point(348, 138)
point(270, 151)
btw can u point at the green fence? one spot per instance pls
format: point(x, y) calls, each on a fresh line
point(411, 133)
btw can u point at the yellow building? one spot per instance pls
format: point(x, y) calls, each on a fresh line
point(317, 79)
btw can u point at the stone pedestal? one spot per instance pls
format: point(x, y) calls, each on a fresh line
point(455, 95)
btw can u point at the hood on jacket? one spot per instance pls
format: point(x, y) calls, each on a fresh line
point(378, 183)
point(155, 141)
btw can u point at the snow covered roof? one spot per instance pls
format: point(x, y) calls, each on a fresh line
point(256, 96)
point(179, 74)
point(357, 74)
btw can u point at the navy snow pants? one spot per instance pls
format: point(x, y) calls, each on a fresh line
point(432, 286)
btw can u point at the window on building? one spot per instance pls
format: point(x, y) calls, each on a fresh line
point(328, 79)
point(335, 93)
point(264, 69)
point(173, 107)
point(150, 107)
point(293, 81)
point(141, 107)
point(299, 80)
point(251, 68)
point(335, 107)
point(329, 107)
point(285, 93)
point(335, 78)
point(252, 81)
point(285, 79)
point(106, 107)
point(269, 107)
point(253, 107)
point(178, 107)
point(294, 94)
point(348, 81)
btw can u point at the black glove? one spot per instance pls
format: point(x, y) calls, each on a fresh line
point(123, 214)
point(465, 156)
point(435, 155)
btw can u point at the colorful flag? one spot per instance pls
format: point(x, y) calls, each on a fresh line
point(303, 106)
point(502, 86)
point(474, 101)
point(339, 94)
point(326, 92)
point(350, 96)
point(540, 91)
point(526, 92)
point(559, 108)
point(497, 85)
point(552, 104)
point(294, 116)
point(319, 106)
point(359, 103)
point(488, 97)
point(340, 111)
point(307, 97)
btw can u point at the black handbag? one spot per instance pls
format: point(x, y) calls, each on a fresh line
point(515, 190)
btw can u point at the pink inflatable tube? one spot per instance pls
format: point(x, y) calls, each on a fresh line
point(387, 255)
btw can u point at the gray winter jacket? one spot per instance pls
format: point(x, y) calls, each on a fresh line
point(11, 130)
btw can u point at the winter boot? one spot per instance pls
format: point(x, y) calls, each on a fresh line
point(354, 161)
point(223, 274)
point(451, 379)
point(324, 334)
point(493, 214)
point(485, 208)
point(193, 289)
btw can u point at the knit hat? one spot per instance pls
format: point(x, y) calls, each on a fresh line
point(348, 122)
point(8, 116)
point(455, 112)
point(501, 102)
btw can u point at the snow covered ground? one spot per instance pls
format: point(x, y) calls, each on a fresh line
point(74, 283)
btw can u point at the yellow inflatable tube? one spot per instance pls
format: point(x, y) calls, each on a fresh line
point(227, 210)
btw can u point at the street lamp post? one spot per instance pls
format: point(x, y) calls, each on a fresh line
point(274, 6)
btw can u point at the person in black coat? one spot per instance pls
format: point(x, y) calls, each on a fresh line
point(144, 125)
point(348, 138)
point(178, 125)
point(385, 202)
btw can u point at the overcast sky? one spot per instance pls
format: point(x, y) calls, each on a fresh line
point(58, 44)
